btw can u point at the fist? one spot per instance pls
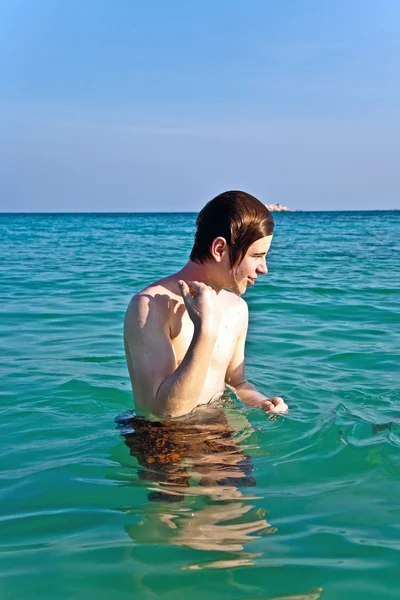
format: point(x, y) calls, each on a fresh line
point(274, 405)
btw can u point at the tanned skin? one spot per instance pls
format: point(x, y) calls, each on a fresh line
point(185, 335)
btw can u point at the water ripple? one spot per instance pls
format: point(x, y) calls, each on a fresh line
point(90, 507)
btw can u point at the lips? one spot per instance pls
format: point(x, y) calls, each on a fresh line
point(250, 280)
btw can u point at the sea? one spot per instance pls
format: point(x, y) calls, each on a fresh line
point(96, 503)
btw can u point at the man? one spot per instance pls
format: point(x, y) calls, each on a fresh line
point(185, 334)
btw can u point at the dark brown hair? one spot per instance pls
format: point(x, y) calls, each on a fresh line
point(236, 216)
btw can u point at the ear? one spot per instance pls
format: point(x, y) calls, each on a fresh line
point(219, 248)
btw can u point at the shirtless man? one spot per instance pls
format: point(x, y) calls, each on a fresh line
point(185, 335)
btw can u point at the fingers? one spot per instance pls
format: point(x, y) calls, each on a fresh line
point(275, 405)
point(194, 287)
point(267, 405)
point(279, 405)
point(185, 292)
point(188, 289)
point(183, 286)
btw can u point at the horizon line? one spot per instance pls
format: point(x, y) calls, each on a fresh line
point(191, 212)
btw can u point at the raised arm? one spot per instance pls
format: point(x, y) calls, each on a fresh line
point(236, 377)
point(168, 389)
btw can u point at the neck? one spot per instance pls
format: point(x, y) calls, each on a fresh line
point(205, 273)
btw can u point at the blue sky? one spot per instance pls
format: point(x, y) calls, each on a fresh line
point(149, 106)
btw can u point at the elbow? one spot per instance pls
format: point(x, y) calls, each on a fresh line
point(239, 384)
point(174, 414)
point(172, 406)
point(169, 412)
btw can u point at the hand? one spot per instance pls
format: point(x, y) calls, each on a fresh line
point(202, 304)
point(274, 405)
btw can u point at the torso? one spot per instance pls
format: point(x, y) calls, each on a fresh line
point(181, 333)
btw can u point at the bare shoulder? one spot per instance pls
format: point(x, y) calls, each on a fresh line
point(234, 302)
point(153, 302)
point(237, 308)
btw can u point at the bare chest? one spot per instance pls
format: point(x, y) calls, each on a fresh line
point(182, 330)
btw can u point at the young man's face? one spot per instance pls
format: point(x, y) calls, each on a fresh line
point(251, 266)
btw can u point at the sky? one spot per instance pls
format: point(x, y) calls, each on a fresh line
point(128, 106)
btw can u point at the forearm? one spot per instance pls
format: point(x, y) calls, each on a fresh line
point(249, 394)
point(178, 394)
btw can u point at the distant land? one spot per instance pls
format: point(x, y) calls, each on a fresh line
point(276, 207)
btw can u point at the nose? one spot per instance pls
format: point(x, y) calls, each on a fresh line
point(262, 268)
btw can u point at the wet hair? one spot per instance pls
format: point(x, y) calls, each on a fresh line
point(236, 216)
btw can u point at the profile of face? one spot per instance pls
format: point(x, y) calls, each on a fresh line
point(253, 265)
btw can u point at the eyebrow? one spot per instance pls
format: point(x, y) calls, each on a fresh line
point(260, 254)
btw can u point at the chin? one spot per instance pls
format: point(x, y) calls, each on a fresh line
point(239, 290)
point(238, 287)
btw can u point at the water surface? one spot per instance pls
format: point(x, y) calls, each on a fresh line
point(302, 507)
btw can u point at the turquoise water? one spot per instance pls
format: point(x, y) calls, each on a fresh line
point(302, 507)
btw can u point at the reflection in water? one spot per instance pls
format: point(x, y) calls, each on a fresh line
point(194, 470)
